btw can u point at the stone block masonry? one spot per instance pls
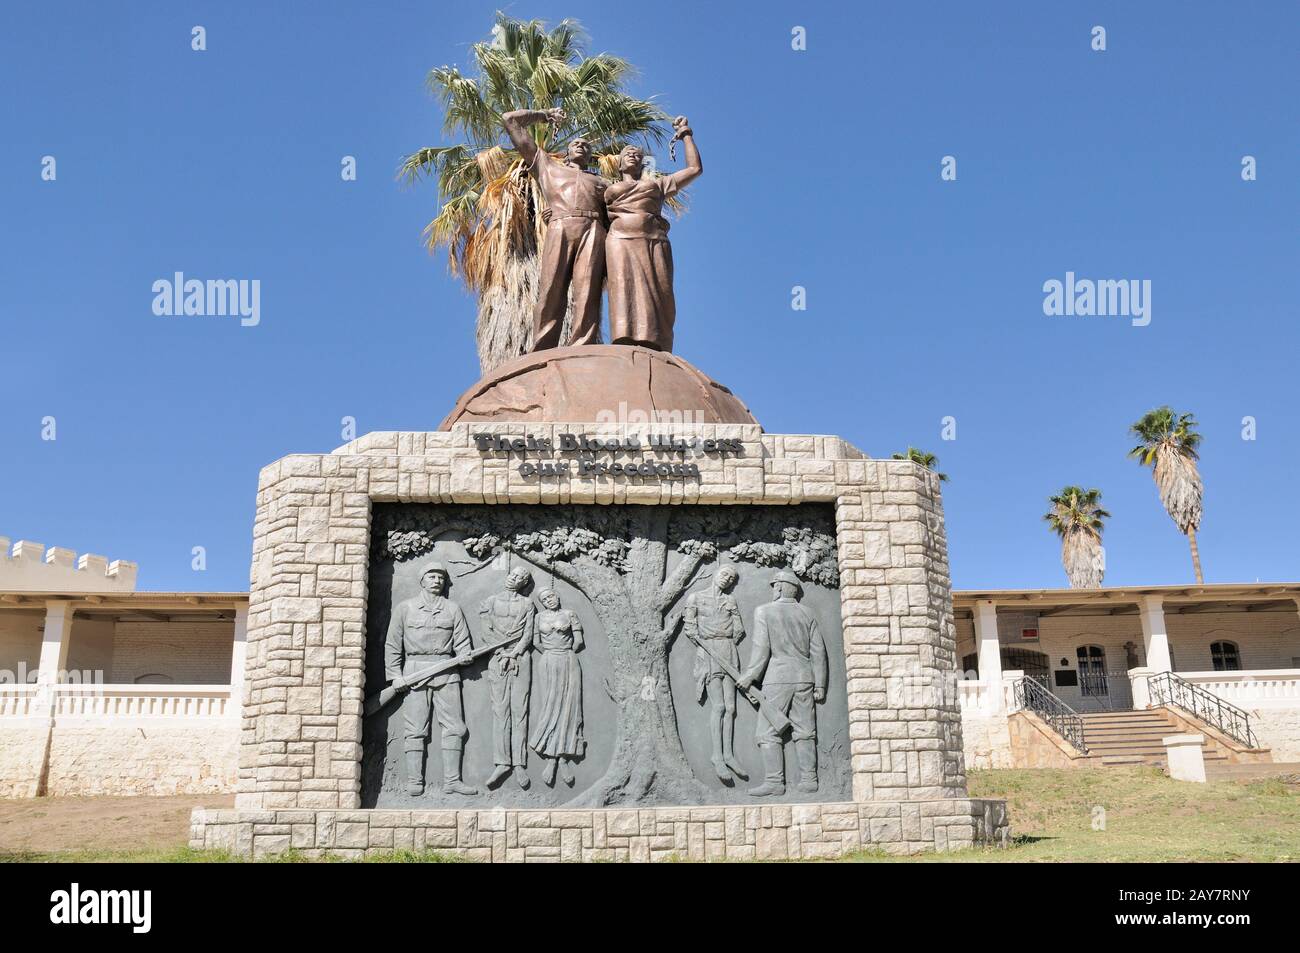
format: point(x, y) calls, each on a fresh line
point(769, 832)
point(300, 747)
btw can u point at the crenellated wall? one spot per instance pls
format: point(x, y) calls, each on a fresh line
point(30, 567)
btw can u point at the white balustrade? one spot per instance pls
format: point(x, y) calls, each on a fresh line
point(91, 702)
point(17, 701)
point(1277, 688)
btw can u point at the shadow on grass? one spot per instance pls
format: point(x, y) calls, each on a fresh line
point(1024, 840)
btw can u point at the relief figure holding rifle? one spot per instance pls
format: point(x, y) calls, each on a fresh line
point(425, 631)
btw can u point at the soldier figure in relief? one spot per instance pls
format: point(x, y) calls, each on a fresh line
point(508, 617)
point(424, 631)
point(714, 619)
point(789, 659)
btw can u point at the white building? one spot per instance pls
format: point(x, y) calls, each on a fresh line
point(1070, 677)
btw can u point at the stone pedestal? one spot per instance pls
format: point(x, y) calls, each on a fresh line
point(1186, 754)
point(300, 753)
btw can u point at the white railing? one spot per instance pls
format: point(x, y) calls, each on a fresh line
point(184, 703)
point(977, 696)
point(17, 701)
point(973, 695)
point(1250, 689)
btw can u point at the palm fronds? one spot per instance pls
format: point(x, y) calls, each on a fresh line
point(1169, 444)
point(1078, 518)
point(921, 457)
point(490, 219)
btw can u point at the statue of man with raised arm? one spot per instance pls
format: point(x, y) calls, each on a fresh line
point(573, 251)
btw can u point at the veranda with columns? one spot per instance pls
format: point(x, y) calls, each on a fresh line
point(119, 692)
point(1097, 650)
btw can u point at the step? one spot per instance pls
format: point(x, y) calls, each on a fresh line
point(1144, 751)
point(1233, 772)
point(1115, 760)
point(1155, 743)
point(1142, 747)
point(1125, 719)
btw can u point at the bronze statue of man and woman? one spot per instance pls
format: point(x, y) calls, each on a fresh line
point(603, 234)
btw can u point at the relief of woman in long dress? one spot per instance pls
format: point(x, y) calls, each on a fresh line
point(638, 256)
point(557, 688)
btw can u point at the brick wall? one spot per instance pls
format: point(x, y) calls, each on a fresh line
point(191, 653)
point(1265, 639)
point(20, 641)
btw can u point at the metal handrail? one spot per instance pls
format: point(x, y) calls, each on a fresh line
point(1166, 688)
point(1060, 717)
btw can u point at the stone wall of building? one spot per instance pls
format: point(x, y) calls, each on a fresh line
point(1035, 745)
point(123, 757)
point(301, 737)
point(22, 752)
point(985, 737)
point(1278, 729)
point(131, 758)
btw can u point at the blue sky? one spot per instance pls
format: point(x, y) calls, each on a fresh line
point(822, 170)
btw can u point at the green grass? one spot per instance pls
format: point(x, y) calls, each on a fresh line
point(1143, 817)
point(1111, 815)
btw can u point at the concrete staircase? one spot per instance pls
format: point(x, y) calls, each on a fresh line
point(1135, 737)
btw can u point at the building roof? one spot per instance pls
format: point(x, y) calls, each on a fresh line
point(156, 606)
point(1120, 600)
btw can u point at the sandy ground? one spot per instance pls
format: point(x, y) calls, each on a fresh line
point(100, 823)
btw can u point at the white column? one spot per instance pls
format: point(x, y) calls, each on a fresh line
point(1154, 636)
point(989, 649)
point(237, 654)
point(1139, 687)
point(54, 641)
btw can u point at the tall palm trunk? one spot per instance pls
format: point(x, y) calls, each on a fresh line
point(1196, 556)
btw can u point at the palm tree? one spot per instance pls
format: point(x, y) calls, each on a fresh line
point(1076, 516)
point(1168, 445)
point(921, 458)
point(490, 218)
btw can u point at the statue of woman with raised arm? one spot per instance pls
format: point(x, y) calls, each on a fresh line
point(638, 257)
